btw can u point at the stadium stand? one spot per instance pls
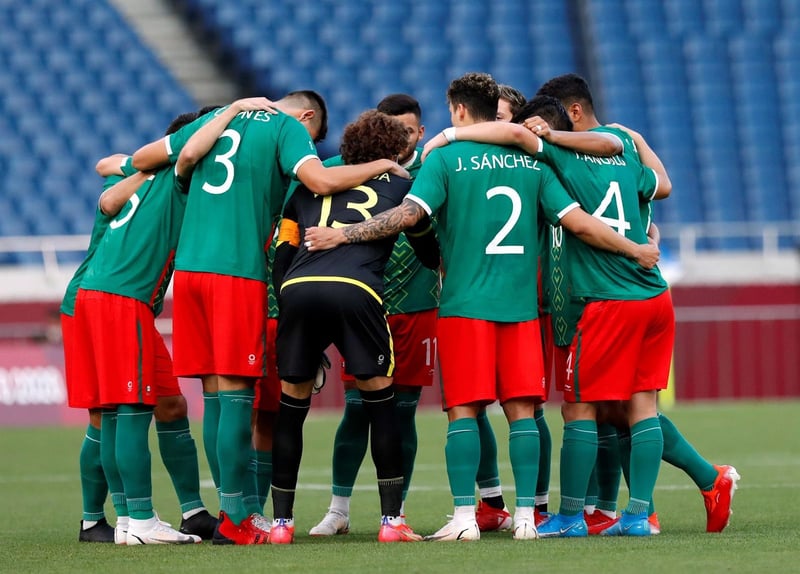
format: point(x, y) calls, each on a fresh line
point(712, 84)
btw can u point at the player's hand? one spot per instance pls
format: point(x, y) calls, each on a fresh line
point(538, 126)
point(647, 255)
point(396, 169)
point(436, 141)
point(253, 104)
point(322, 238)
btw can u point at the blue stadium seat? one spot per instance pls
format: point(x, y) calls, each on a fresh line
point(684, 17)
point(723, 17)
point(762, 15)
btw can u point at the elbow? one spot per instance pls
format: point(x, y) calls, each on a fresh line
point(614, 148)
point(664, 187)
point(138, 162)
point(106, 206)
point(321, 186)
point(188, 159)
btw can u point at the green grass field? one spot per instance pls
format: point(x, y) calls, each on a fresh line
point(41, 509)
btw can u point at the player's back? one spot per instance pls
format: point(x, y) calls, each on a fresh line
point(364, 262)
point(486, 200)
point(237, 189)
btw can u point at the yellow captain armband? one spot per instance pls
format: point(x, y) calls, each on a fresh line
point(289, 233)
point(419, 233)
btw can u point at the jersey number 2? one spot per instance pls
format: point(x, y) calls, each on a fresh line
point(494, 247)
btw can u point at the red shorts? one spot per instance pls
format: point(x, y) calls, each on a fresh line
point(123, 345)
point(268, 389)
point(414, 340)
point(561, 366)
point(484, 361)
point(219, 325)
point(621, 348)
point(80, 394)
point(546, 324)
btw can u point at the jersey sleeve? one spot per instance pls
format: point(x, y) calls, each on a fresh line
point(176, 141)
point(554, 200)
point(648, 183)
point(126, 165)
point(295, 147)
point(430, 188)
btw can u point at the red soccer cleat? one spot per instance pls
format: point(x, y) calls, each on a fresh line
point(490, 518)
point(718, 499)
point(239, 534)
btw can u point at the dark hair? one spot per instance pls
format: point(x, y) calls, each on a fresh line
point(549, 109)
point(400, 104)
point(478, 93)
point(513, 96)
point(206, 109)
point(313, 101)
point(374, 135)
point(180, 121)
point(570, 89)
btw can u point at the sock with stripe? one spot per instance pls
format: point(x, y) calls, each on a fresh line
point(94, 487)
point(545, 458)
point(523, 450)
point(488, 476)
point(349, 444)
point(647, 444)
point(233, 449)
point(133, 458)
point(406, 405)
point(463, 454)
point(210, 432)
point(108, 457)
point(179, 455)
point(578, 456)
point(287, 449)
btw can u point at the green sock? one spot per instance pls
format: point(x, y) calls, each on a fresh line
point(578, 455)
point(592, 488)
point(680, 453)
point(609, 471)
point(263, 470)
point(545, 454)
point(523, 450)
point(179, 454)
point(210, 431)
point(94, 487)
point(250, 498)
point(108, 457)
point(488, 474)
point(233, 450)
point(647, 444)
point(133, 458)
point(624, 441)
point(406, 405)
point(462, 453)
point(349, 444)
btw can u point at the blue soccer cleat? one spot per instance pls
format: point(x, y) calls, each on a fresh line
point(562, 526)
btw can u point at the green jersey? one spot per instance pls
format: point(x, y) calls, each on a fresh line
point(101, 221)
point(237, 190)
point(611, 189)
point(487, 200)
point(409, 286)
point(565, 310)
point(136, 255)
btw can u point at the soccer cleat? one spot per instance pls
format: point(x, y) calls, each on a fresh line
point(525, 529)
point(154, 531)
point(201, 524)
point(258, 523)
point(282, 531)
point(100, 532)
point(239, 534)
point(463, 529)
point(655, 526)
point(334, 522)
point(399, 533)
point(718, 499)
point(490, 518)
point(628, 525)
point(539, 516)
point(121, 531)
point(562, 526)
point(597, 522)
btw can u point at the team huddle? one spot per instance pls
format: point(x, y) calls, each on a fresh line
point(520, 237)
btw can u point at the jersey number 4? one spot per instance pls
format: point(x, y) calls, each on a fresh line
point(613, 194)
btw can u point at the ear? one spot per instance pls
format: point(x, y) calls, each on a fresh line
point(421, 132)
point(307, 116)
point(461, 111)
point(575, 112)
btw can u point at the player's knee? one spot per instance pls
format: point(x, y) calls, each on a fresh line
point(170, 409)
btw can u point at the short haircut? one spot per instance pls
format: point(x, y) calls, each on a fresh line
point(180, 121)
point(311, 100)
point(373, 135)
point(478, 93)
point(400, 104)
point(513, 96)
point(549, 109)
point(570, 89)
point(206, 109)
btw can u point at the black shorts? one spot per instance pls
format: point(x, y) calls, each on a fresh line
point(315, 314)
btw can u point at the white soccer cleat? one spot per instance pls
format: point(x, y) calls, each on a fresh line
point(458, 529)
point(154, 531)
point(525, 528)
point(334, 522)
point(121, 531)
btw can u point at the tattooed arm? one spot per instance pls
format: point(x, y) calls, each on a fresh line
point(385, 224)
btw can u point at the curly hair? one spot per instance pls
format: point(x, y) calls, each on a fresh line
point(374, 135)
point(478, 93)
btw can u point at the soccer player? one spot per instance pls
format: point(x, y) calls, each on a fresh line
point(509, 103)
point(487, 199)
point(94, 486)
point(119, 297)
point(220, 294)
point(349, 314)
point(411, 297)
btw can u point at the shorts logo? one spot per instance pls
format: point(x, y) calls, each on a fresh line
point(381, 358)
point(130, 386)
point(251, 359)
point(544, 383)
point(147, 389)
